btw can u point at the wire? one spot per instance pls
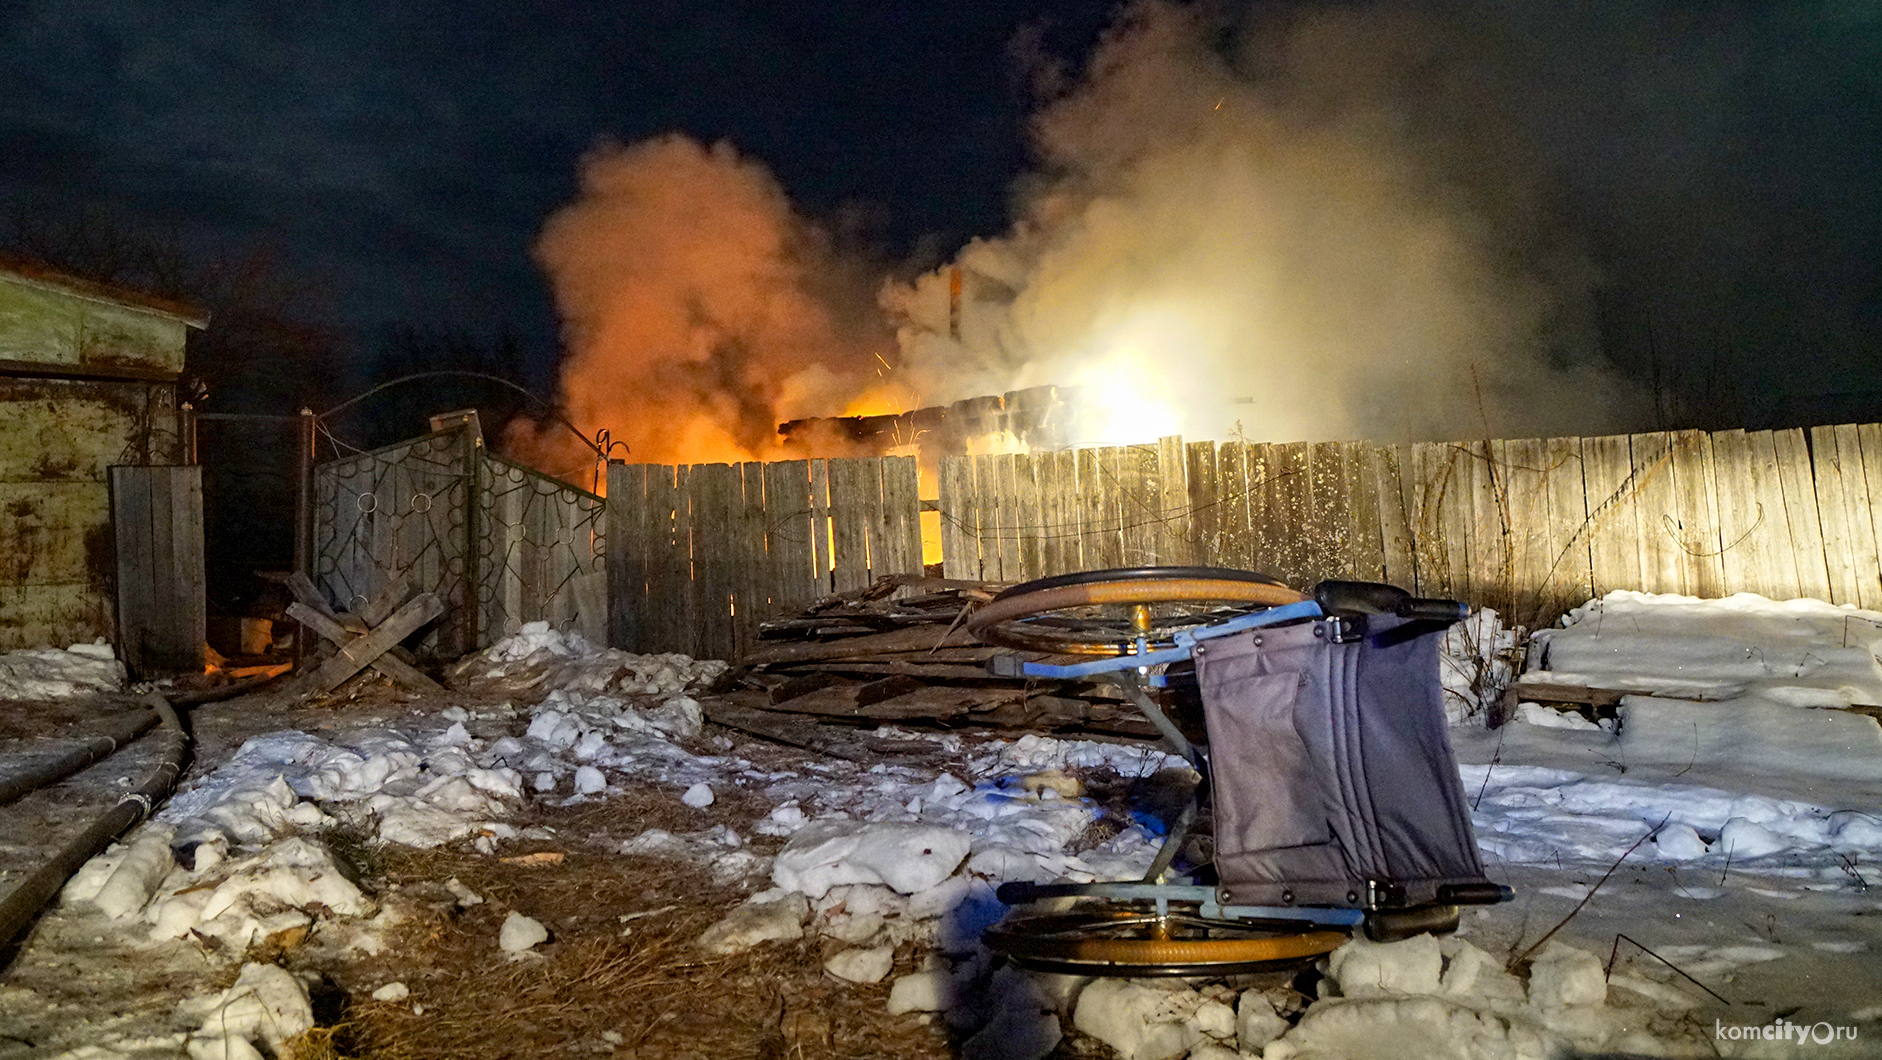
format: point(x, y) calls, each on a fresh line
point(467, 374)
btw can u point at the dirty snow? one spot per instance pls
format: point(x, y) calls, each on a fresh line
point(878, 856)
point(52, 673)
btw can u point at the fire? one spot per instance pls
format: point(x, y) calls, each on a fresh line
point(883, 398)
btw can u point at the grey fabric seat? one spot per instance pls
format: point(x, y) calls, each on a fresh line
point(1333, 777)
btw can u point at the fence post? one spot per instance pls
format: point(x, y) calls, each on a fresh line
point(473, 504)
point(186, 433)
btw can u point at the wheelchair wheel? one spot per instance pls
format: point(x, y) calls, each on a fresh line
point(1104, 612)
point(1114, 941)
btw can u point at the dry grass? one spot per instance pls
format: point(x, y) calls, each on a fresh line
point(602, 986)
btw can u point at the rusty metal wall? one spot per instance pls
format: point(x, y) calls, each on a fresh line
point(57, 437)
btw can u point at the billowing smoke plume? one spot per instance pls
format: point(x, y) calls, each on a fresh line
point(1262, 234)
point(698, 309)
point(1303, 228)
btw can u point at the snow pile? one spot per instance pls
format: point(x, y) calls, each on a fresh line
point(1537, 815)
point(1439, 998)
point(540, 656)
point(410, 790)
point(1799, 653)
point(266, 1004)
point(1738, 684)
point(49, 673)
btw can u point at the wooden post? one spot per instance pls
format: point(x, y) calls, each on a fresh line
point(186, 433)
point(304, 496)
point(304, 521)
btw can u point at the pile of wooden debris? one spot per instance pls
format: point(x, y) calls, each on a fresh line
point(897, 652)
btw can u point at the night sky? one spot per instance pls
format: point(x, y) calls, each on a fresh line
point(1722, 162)
point(404, 156)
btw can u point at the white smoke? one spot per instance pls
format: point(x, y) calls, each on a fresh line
point(1253, 235)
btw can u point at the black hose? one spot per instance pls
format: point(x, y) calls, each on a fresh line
point(122, 731)
point(18, 909)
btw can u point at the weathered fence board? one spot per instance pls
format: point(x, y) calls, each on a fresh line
point(725, 546)
point(157, 523)
point(1531, 525)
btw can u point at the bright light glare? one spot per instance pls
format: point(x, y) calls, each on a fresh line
point(1129, 383)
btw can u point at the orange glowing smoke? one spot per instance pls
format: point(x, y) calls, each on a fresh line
point(699, 310)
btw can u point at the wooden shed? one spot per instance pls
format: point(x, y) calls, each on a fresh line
point(88, 377)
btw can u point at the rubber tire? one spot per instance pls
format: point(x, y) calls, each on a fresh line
point(1084, 943)
point(1141, 585)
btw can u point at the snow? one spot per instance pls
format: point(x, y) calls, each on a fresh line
point(520, 933)
point(51, 673)
point(1734, 780)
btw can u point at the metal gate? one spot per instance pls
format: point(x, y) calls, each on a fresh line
point(499, 543)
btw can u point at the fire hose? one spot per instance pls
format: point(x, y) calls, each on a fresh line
point(19, 908)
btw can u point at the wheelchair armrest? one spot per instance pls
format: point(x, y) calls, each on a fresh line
point(1378, 598)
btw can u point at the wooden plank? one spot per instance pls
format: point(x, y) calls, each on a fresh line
point(855, 491)
point(1365, 532)
point(190, 595)
point(821, 548)
point(1656, 505)
point(1087, 507)
point(1205, 516)
point(160, 626)
point(1173, 528)
point(1028, 517)
point(1001, 546)
point(977, 508)
point(960, 549)
point(752, 583)
point(1696, 515)
point(1051, 478)
point(1777, 561)
point(1840, 546)
point(131, 517)
point(388, 664)
point(1398, 565)
point(376, 610)
point(920, 638)
point(1614, 552)
point(901, 521)
point(1136, 501)
point(626, 556)
point(787, 528)
point(1800, 508)
point(1522, 468)
point(1486, 517)
point(1866, 440)
point(1106, 533)
point(1278, 527)
point(681, 614)
point(361, 651)
point(1569, 580)
point(1738, 513)
point(717, 492)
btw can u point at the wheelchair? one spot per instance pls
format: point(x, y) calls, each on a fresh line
point(1322, 757)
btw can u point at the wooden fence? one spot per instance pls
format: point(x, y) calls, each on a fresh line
point(701, 553)
point(1529, 526)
